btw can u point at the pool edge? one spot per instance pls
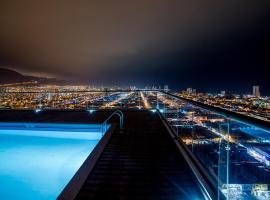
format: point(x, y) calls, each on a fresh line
point(74, 185)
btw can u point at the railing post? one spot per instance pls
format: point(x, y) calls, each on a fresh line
point(228, 159)
point(219, 159)
point(227, 148)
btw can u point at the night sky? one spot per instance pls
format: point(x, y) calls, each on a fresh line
point(210, 45)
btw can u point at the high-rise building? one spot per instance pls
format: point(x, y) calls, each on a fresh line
point(256, 91)
point(132, 87)
point(166, 88)
point(189, 90)
point(223, 93)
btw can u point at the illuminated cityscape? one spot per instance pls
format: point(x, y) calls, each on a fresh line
point(204, 132)
point(252, 105)
point(76, 97)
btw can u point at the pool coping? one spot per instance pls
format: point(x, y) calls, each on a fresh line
point(74, 185)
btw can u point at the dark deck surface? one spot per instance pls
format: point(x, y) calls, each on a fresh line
point(141, 163)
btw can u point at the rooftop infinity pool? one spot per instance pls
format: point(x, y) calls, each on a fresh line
point(38, 160)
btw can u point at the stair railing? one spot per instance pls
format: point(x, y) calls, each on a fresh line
point(120, 114)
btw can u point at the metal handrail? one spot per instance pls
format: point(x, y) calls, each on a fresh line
point(121, 118)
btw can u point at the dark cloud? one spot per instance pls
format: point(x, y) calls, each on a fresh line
point(137, 41)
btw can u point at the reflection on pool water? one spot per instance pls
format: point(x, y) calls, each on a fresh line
point(36, 165)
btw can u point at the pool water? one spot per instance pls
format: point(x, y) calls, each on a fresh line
point(35, 165)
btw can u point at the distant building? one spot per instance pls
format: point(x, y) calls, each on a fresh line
point(154, 87)
point(147, 87)
point(133, 87)
point(223, 93)
point(256, 91)
point(229, 95)
point(191, 91)
point(166, 88)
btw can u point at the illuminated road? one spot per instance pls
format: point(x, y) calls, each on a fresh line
point(145, 101)
point(122, 97)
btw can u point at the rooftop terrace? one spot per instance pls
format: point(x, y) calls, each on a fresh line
point(140, 161)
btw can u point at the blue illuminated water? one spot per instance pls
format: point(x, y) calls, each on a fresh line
point(34, 165)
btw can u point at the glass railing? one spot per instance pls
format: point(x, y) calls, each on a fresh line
point(236, 155)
